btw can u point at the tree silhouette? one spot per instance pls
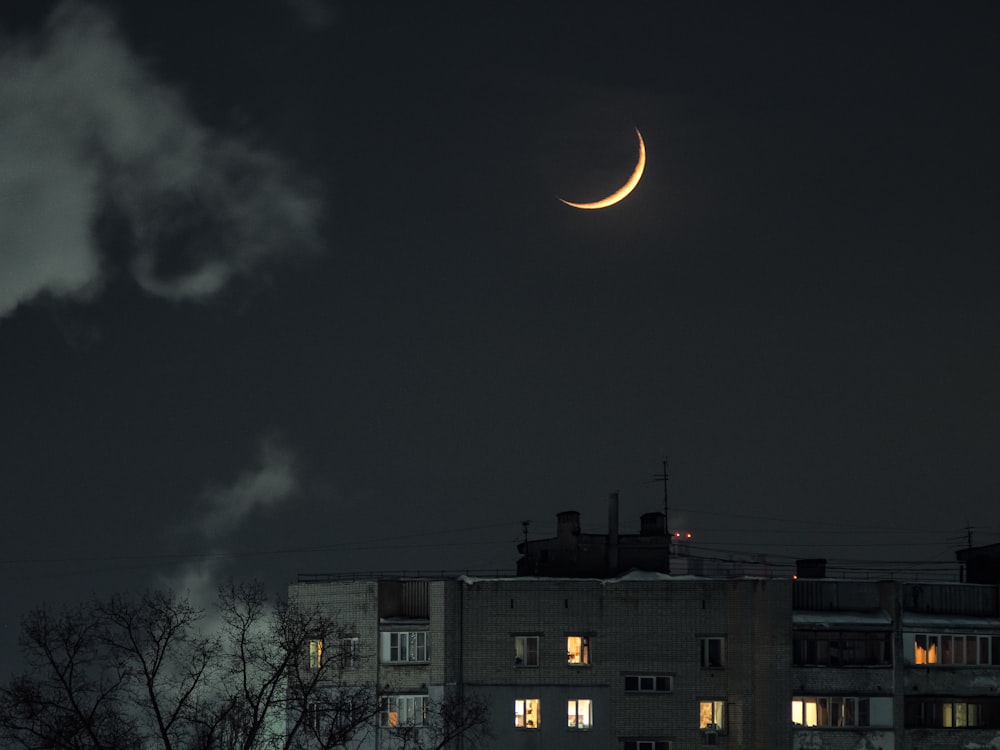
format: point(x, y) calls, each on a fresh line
point(138, 672)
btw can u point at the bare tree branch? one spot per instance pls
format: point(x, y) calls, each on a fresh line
point(456, 715)
point(139, 673)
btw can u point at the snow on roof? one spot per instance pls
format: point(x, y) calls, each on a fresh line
point(836, 620)
point(919, 620)
point(632, 575)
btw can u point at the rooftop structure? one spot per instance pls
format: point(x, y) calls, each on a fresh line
point(593, 644)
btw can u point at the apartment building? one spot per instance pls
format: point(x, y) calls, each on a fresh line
point(895, 665)
point(640, 662)
point(644, 660)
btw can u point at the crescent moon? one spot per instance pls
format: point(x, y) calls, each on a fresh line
point(621, 193)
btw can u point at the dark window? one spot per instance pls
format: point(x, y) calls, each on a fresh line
point(951, 713)
point(648, 683)
point(713, 652)
point(841, 649)
point(525, 650)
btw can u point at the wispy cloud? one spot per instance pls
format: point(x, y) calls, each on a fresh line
point(315, 13)
point(86, 125)
point(272, 481)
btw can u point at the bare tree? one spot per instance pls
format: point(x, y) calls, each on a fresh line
point(154, 640)
point(139, 672)
point(72, 695)
point(455, 716)
point(286, 668)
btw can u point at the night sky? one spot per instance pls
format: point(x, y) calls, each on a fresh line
point(285, 286)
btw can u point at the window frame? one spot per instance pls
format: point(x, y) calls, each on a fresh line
point(648, 745)
point(705, 649)
point(842, 648)
point(420, 653)
point(523, 704)
point(315, 653)
point(666, 680)
point(718, 715)
point(525, 662)
point(584, 652)
point(574, 720)
point(842, 711)
point(943, 712)
point(314, 715)
point(926, 649)
point(349, 646)
point(414, 704)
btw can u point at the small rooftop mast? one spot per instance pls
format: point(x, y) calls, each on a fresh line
point(663, 478)
point(666, 518)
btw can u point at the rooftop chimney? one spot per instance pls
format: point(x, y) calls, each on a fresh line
point(652, 524)
point(567, 524)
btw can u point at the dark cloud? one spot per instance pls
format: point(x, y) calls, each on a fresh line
point(86, 124)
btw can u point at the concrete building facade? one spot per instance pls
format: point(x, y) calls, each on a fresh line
point(652, 661)
point(895, 665)
point(641, 662)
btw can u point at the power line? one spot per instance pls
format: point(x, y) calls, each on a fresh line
point(186, 556)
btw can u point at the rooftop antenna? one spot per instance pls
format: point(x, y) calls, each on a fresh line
point(524, 526)
point(666, 524)
point(664, 477)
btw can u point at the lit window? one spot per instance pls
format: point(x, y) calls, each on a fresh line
point(972, 650)
point(403, 711)
point(579, 714)
point(710, 715)
point(648, 683)
point(926, 649)
point(578, 650)
point(950, 713)
point(403, 647)
point(528, 713)
point(525, 650)
point(841, 711)
point(713, 652)
point(315, 654)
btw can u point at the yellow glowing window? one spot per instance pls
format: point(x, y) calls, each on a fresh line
point(710, 714)
point(578, 649)
point(805, 712)
point(925, 649)
point(970, 649)
point(841, 711)
point(404, 710)
point(527, 713)
point(579, 714)
point(315, 654)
